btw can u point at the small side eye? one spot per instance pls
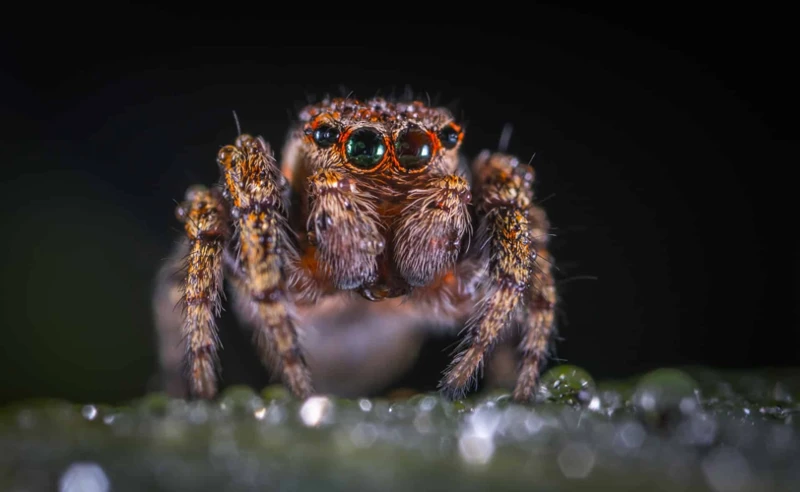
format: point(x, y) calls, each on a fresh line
point(365, 148)
point(326, 135)
point(449, 136)
point(414, 148)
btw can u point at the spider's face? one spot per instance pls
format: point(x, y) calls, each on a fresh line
point(379, 138)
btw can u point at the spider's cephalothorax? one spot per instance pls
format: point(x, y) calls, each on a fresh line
point(369, 202)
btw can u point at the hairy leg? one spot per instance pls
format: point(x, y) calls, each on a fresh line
point(257, 193)
point(506, 255)
point(538, 319)
point(431, 228)
point(192, 279)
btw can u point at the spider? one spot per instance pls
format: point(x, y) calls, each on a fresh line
point(372, 216)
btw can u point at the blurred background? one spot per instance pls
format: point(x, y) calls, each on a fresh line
point(659, 154)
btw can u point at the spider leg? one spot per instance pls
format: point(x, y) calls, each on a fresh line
point(197, 288)
point(538, 319)
point(256, 191)
point(506, 255)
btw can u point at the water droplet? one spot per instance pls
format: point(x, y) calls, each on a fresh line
point(483, 421)
point(567, 384)
point(726, 470)
point(700, 430)
point(276, 392)
point(240, 400)
point(316, 410)
point(365, 405)
point(84, 477)
point(660, 394)
point(259, 413)
point(475, 449)
point(155, 404)
point(89, 412)
point(534, 423)
point(632, 435)
point(363, 435)
point(576, 460)
point(427, 403)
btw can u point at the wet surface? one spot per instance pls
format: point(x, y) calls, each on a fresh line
point(671, 429)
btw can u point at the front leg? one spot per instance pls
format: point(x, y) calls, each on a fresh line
point(343, 228)
point(257, 193)
point(506, 257)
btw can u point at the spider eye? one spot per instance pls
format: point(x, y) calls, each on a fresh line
point(326, 135)
point(365, 148)
point(449, 136)
point(414, 148)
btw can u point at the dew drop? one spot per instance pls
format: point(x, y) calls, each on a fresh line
point(576, 460)
point(84, 477)
point(363, 435)
point(316, 410)
point(89, 412)
point(475, 449)
point(568, 384)
point(726, 470)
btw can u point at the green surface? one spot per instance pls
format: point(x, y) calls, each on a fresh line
point(671, 429)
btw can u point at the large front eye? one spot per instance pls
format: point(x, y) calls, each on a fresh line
point(414, 148)
point(365, 148)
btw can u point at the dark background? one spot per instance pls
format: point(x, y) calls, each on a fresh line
point(659, 150)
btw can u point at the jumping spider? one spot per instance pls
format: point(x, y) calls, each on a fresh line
point(370, 201)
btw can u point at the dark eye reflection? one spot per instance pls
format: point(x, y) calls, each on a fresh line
point(414, 148)
point(365, 148)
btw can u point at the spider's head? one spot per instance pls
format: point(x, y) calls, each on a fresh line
point(378, 137)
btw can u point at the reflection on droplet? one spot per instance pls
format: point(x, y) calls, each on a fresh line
point(726, 470)
point(259, 413)
point(534, 423)
point(275, 414)
point(576, 460)
point(89, 412)
point(700, 430)
point(316, 410)
point(647, 401)
point(632, 435)
point(365, 405)
point(476, 449)
point(484, 421)
point(84, 477)
point(427, 404)
point(476, 443)
point(364, 435)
